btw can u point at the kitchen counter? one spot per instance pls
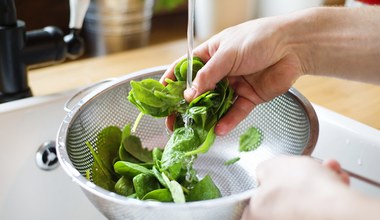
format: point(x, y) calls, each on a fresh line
point(355, 100)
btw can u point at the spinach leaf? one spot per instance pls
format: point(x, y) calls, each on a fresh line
point(232, 161)
point(124, 186)
point(182, 140)
point(162, 195)
point(152, 98)
point(100, 174)
point(125, 156)
point(204, 190)
point(107, 144)
point(197, 65)
point(102, 177)
point(124, 166)
point(250, 140)
point(159, 177)
point(195, 121)
point(175, 189)
point(180, 70)
point(133, 146)
point(130, 169)
point(144, 183)
point(210, 138)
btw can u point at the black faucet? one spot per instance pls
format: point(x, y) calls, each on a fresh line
point(21, 49)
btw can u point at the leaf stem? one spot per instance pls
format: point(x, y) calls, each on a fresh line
point(137, 121)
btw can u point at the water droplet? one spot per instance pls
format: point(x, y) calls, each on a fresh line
point(360, 162)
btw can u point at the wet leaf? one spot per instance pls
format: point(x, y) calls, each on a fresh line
point(204, 190)
point(162, 195)
point(124, 186)
point(130, 169)
point(145, 183)
point(133, 146)
point(250, 140)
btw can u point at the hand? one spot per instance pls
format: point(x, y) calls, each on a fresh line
point(264, 57)
point(298, 188)
point(254, 59)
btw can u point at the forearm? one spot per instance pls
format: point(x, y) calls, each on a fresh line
point(340, 42)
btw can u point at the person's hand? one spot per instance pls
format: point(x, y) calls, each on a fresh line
point(294, 188)
point(262, 58)
point(298, 188)
point(254, 58)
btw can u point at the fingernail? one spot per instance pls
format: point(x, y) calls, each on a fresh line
point(189, 93)
point(220, 130)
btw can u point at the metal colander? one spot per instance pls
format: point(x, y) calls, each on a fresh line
point(288, 124)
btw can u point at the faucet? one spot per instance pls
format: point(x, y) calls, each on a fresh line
point(21, 49)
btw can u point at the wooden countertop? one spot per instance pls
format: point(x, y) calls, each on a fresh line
point(358, 101)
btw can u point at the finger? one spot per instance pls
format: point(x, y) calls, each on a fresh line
point(335, 166)
point(212, 72)
point(345, 177)
point(332, 164)
point(238, 111)
point(170, 120)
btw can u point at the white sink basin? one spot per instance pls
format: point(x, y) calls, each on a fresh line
point(28, 192)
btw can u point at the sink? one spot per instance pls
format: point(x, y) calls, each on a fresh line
point(29, 192)
point(355, 145)
point(26, 191)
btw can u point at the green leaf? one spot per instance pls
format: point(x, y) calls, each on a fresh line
point(204, 190)
point(132, 145)
point(183, 139)
point(124, 186)
point(144, 91)
point(101, 175)
point(125, 156)
point(197, 65)
point(156, 154)
point(177, 71)
point(205, 145)
point(250, 140)
point(132, 196)
point(175, 88)
point(159, 177)
point(130, 169)
point(162, 195)
point(145, 183)
point(175, 189)
point(232, 161)
point(107, 144)
point(194, 125)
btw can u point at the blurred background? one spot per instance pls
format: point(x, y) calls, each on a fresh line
point(117, 25)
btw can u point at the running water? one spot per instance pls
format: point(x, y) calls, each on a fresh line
point(190, 45)
point(190, 42)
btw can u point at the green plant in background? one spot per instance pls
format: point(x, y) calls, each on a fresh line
point(168, 4)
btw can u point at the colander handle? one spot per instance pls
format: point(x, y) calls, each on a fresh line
point(69, 104)
point(356, 176)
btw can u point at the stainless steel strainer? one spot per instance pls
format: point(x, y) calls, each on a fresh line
point(288, 124)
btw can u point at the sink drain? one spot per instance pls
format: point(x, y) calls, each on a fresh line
point(46, 156)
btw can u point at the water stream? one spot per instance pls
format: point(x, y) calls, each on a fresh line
point(190, 42)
